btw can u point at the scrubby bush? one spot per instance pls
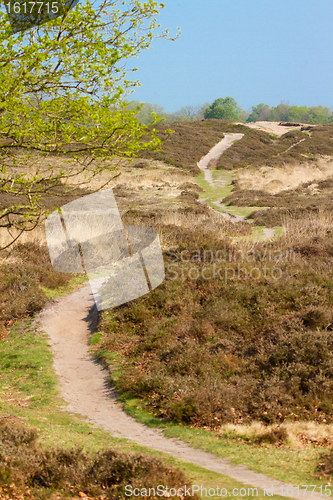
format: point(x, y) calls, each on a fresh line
point(23, 272)
point(325, 466)
point(207, 352)
point(71, 471)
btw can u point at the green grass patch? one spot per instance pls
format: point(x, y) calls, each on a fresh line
point(95, 338)
point(218, 193)
point(294, 466)
point(285, 463)
point(61, 291)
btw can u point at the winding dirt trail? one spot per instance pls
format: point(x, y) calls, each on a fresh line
point(204, 164)
point(215, 153)
point(68, 322)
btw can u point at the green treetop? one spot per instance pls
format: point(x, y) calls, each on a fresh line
point(223, 109)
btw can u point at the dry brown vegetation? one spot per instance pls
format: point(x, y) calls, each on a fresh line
point(296, 435)
point(274, 180)
point(148, 192)
point(191, 141)
point(27, 469)
point(307, 200)
point(55, 197)
point(229, 350)
point(258, 149)
point(207, 351)
point(23, 272)
point(235, 348)
point(188, 142)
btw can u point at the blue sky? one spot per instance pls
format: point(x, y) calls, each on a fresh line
point(253, 50)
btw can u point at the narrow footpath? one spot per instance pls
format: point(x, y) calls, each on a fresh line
point(68, 322)
point(204, 165)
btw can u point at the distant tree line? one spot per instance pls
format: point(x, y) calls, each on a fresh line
point(286, 113)
point(147, 110)
point(228, 109)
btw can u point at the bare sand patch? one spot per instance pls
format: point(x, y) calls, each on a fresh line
point(274, 180)
point(273, 127)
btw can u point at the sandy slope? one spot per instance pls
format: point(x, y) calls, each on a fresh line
point(272, 127)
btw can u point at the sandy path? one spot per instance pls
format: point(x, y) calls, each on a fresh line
point(203, 164)
point(68, 323)
point(215, 153)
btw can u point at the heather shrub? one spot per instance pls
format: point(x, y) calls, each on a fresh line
point(23, 271)
point(71, 471)
point(325, 466)
point(213, 351)
point(189, 142)
point(258, 148)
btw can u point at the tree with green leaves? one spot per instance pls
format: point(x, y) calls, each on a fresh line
point(280, 112)
point(261, 112)
point(320, 114)
point(146, 111)
point(62, 113)
point(298, 114)
point(188, 113)
point(223, 109)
